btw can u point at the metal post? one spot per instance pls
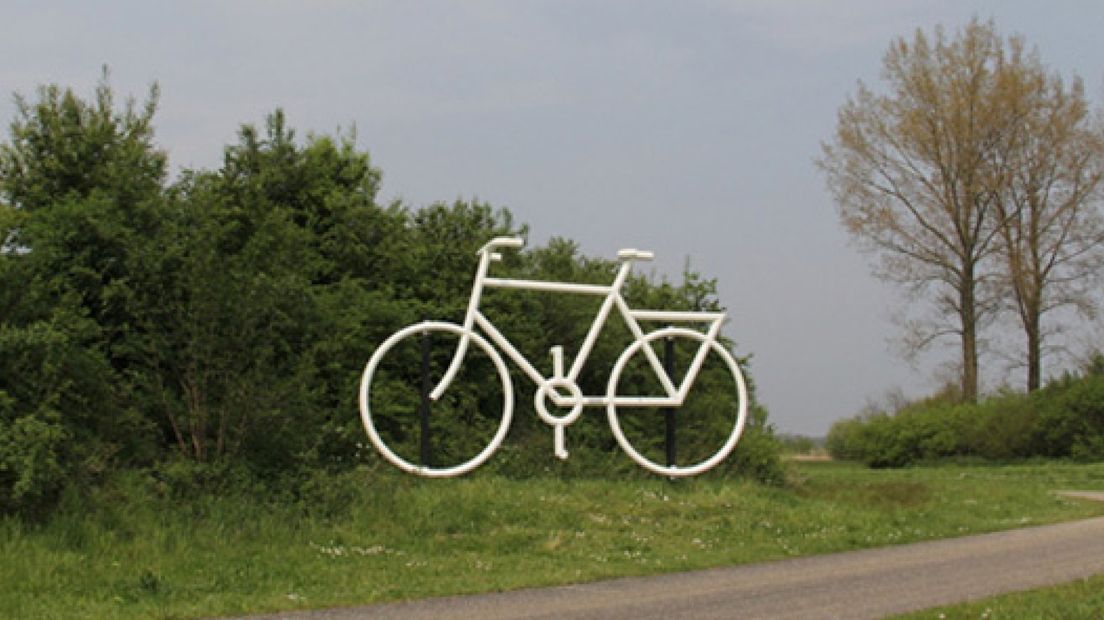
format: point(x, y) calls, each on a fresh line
point(669, 412)
point(427, 385)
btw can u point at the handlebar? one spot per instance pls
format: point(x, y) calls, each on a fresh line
point(502, 242)
point(518, 242)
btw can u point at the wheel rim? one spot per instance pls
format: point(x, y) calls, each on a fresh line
point(734, 435)
point(425, 470)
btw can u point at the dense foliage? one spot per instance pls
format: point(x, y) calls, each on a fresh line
point(1065, 419)
point(221, 320)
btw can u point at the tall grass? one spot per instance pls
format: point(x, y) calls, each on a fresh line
point(135, 549)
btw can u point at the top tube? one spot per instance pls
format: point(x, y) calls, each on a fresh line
point(545, 285)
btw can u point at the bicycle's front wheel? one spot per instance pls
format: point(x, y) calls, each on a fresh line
point(688, 439)
point(447, 437)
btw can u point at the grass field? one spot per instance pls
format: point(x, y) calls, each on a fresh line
point(130, 552)
point(1074, 601)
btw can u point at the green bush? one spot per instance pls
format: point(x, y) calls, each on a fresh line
point(61, 423)
point(1005, 427)
point(1071, 420)
point(32, 469)
point(1063, 420)
point(758, 455)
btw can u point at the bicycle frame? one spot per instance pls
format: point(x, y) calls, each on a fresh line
point(673, 396)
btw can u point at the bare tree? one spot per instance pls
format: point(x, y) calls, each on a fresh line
point(1051, 230)
point(911, 173)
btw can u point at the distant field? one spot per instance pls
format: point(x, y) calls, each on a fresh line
point(809, 458)
point(387, 536)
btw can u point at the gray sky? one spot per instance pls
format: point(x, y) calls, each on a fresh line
point(686, 128)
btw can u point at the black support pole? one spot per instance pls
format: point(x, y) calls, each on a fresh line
point(669, 412)
point(423, 412)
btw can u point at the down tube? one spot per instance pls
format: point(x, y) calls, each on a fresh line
point(503, 344)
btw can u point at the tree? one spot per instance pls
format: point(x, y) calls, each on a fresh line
point(1051, 168)
point(921, 177)
point(86, 179)
point(261, 272)
point(62, 145)
point(79, 189)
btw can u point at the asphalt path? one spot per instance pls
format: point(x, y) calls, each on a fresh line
point(860, 584)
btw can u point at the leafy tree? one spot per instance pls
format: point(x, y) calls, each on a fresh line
point(223, 322)
point(921, 173)
point(62, 145)
point(1050, 169)
point(81, 182)
point(271, 283)
point(86, 178)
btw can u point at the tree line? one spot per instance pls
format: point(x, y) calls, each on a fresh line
point(225, 315)
point(975, 180)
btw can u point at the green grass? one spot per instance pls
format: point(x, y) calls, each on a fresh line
point(130, 552)
point(1081, 599)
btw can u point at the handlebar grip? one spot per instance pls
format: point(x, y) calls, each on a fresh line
point(502, 242)
point(508, 242)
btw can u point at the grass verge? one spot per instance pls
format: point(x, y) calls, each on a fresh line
point(1081, 599)
point(374, 536)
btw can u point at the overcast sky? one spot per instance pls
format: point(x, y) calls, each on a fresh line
point(686, 128)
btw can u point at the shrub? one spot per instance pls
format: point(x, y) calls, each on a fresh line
point(32, 470)
point(758, 455)
point(1063, 420)
point(1005, 427)
point(1071, 420)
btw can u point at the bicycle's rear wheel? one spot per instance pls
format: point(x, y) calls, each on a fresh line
point(463, 428)
point(705, 428)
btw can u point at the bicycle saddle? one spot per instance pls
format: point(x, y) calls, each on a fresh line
point(634, 254)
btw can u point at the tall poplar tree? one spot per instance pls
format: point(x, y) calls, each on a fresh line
point(967, 178)
point(1052, 234)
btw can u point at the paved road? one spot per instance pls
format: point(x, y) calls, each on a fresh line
point(860, 584)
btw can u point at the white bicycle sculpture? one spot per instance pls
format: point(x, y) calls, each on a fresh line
point(561, 388)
